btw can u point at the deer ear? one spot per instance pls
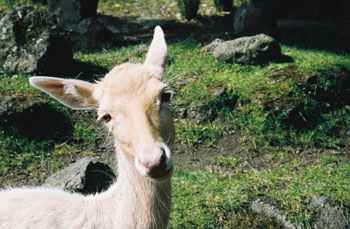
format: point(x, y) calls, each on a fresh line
point(76, 94)
point(157, 54)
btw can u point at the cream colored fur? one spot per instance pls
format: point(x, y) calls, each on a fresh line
point(142, 127)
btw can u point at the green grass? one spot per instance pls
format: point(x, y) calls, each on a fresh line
point(207, 200)
point(222, 199)
point(25, 151)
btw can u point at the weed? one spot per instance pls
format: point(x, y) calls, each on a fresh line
point(249, 100)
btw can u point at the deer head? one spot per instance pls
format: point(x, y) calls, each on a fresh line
point(133, 102)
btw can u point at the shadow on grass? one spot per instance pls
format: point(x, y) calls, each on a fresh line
point(77, 70)
point(313, 35)
point(328, 92)
point(38, 122)
point(136, 30)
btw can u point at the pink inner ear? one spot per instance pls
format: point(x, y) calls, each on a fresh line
point(51, 86)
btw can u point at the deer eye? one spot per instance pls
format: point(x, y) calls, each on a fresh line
point(166, 96)
point(106, 118)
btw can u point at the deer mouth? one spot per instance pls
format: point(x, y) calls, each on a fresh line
point(163, 175)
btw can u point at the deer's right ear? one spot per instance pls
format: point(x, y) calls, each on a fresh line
point(76, 94)
point(157, 54)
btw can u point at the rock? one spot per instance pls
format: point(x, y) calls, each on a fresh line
point(253, 19)
point(71, 12)
point(219, 98)
point(113, 24)
point(286, 101)
point(86, 176)
point(31, 42)
point(268, 210)
point(292, 73)
point(138, 52)
point(257, 49)
point(326, 215)
point(7, 105)
point(15, 111)
point(210, 47)
point(92, 29)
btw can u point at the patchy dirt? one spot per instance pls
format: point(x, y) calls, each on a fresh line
point(237, 145)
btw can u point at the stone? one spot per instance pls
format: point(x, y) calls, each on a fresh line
point(141, 50)
point(286, 101)
point(93, 29)
point(291, 72)
point(253, 19)
point(86, 176)
point(210, 47)
point(113, 24)
point(16, 110)
point(261, 208)
point(30, 41)
point(219, 97)
point(326, 215)
point(259, 49)
point(71, 12)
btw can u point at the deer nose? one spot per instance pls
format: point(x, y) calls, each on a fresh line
point(155, 167)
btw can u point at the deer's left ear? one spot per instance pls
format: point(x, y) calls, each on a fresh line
point(157, 54)
point(76, 94)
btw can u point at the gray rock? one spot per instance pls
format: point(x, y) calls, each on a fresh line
point(253, 19)
point(71, 12)
point(268, 210)
point(326, 215)
point(93, 29)
point(16, 110)
point(30, 41)
point(286, 101)
point(209, 111)
point(113, 24)
point(86, 176)
point(7, 105)
point(210, 47)
point(257, 49)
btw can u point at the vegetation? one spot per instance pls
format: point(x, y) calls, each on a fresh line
point(296, 128)
point(189, 8)
point(224, 5)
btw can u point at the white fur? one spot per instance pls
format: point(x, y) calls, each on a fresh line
point(135, 200)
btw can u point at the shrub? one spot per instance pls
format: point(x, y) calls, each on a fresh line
point(188, 8)
point(223, 5)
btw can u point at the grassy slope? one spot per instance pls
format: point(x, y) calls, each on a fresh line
point(207, 199)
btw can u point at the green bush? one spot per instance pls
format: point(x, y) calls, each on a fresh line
point(223, 5)
point(188, 8)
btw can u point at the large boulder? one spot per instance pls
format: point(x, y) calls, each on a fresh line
point(257, 49)
point(86, 176)
point(30, 41)
point(253, 19)
point(71, 12)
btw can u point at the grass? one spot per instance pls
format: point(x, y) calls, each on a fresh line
point(207, 200)
point(203, 199)
point(219, 199)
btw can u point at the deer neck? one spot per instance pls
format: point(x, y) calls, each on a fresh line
point(141, 202)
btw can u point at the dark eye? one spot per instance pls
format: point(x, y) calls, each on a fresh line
point(106, 118)
point(166, 97)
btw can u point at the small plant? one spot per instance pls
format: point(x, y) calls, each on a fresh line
point(223, 5)
point(188, 8)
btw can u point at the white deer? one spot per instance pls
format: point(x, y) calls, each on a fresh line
point(134, 103)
